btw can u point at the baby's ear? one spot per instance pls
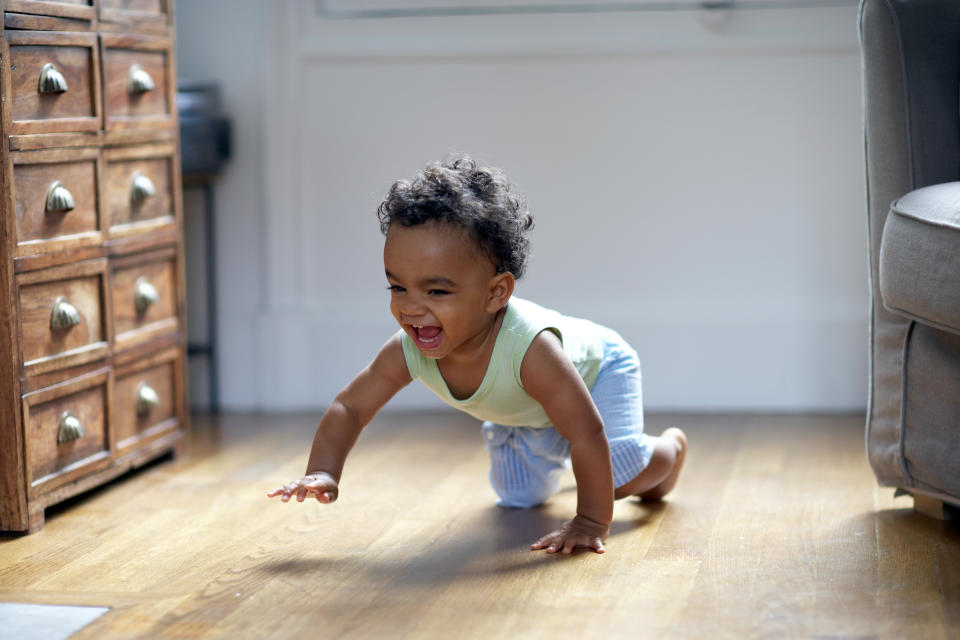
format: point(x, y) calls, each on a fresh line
point(501, 288)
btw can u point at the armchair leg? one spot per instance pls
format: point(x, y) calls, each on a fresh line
point(934, 508)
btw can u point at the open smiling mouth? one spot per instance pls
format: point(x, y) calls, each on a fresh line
point(426, 336)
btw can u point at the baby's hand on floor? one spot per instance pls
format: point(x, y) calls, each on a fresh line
point(320, 485)
point(574, 534)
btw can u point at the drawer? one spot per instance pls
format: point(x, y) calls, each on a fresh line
point(54, 82)
point(134, 7)
point(137, 82)
point(56, 196)
point(63, 316)
point(139, 187)
point(67, 430)
point(145, 297)
point(145, 401)
point(141, 13)
point(77, 9)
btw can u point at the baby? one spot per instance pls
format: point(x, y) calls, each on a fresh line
point(551, 389)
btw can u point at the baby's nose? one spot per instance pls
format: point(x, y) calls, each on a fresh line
point(412, 313)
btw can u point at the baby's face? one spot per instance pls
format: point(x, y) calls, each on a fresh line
point(440, 287)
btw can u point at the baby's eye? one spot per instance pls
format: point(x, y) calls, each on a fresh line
point(395, 288)
point(439, 292)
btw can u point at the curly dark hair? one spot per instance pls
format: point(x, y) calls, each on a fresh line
point(480, 200)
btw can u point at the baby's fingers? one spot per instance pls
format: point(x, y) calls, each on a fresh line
point(544, 542)
point(583, 542)
point(320, 492)
point(552, 543)
point(326, 497)
point(556, 543)
point(283, 492)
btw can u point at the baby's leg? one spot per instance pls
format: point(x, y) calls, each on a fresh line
point(525, 464)
point(660, 475)
point(642, 465)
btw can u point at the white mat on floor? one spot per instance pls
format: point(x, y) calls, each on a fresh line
point(20, 621)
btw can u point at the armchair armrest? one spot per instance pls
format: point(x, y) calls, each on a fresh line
point(920, 257)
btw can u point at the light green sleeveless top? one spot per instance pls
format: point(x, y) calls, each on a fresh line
point(500, 397)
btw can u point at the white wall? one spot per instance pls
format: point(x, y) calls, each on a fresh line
point(697, 181)
point(229, 48)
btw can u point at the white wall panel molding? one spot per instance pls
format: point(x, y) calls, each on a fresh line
point(581, 34)
point(283, 118)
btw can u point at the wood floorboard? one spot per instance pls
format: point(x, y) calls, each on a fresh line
point(776, 529)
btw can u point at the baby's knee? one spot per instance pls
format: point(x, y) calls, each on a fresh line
point(534, 491)
point(525, 469)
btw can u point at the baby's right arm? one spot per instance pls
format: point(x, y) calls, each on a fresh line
point(353, 409)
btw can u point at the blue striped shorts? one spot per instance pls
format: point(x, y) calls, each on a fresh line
point(526, 463)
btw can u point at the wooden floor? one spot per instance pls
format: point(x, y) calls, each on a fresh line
point(775, 530)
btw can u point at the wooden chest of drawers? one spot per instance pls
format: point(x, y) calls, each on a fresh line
point(92, 338)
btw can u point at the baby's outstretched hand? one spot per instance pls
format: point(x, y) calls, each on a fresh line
point(320, 485)
point(579, 532)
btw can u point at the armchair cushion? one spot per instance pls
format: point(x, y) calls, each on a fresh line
point(920, 257)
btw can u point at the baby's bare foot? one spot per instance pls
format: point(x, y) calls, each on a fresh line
point(662, 489)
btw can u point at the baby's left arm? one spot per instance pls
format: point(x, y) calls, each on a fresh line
point(550, 378)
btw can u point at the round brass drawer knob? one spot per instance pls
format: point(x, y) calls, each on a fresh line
point(70, 428)
point(59, 199)
point(64, 315)
point(141, 188)
point(144, 295)
point(147, 399)
point(51, 80)
point(139, 81)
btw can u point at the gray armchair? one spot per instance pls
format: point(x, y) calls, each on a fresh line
point(911, 88)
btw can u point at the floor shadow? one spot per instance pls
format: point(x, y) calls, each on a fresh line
point(497, 543)
point(908, 520)
point(309, 566)
point(645, 512)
